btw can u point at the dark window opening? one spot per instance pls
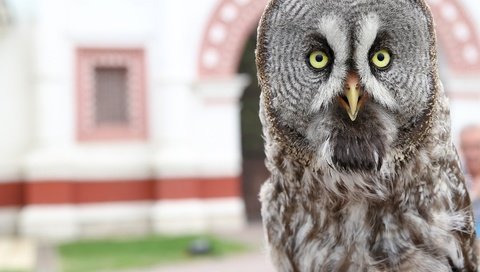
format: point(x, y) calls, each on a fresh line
point(111, 96)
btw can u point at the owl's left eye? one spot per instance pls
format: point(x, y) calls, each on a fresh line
point(319, 59)
point(381, 59)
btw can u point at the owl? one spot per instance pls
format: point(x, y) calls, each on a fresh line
point(364, 175)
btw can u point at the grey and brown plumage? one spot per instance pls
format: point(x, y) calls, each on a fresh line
point(364, 175)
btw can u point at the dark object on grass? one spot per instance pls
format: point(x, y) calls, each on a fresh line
point(200, 247)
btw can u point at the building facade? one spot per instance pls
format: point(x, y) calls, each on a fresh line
point(123, 116)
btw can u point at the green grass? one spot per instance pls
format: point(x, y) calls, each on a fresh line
point(104, 255)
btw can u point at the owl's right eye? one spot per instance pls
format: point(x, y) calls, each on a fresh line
point(318, 60)
point(381, 59)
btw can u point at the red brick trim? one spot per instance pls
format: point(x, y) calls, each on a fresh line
point(48, 192)
point(11, 194)
point(198, 188)
point(82, 192)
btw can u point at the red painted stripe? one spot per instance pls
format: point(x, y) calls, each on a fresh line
point(11, 194)
point(48, 192)
point(81, 192)
point(88, 192)
point(178, 188)
point(78, 192)
point(226, 187)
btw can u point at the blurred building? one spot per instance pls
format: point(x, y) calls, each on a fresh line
point(138, 116)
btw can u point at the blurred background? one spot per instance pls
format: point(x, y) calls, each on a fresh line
point(138, 119)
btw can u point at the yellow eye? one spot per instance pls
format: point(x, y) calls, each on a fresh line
point(381, 59)
point(318, 59)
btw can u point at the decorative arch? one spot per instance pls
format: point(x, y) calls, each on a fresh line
point(227, 31)
point(233, 21)
point(457, 35)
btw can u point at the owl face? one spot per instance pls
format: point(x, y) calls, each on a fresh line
point(349, 77)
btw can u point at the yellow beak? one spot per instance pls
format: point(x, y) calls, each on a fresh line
point(353, 96)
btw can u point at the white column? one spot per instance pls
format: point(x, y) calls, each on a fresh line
point(15, 109)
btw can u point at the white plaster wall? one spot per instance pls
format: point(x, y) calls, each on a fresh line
point(179, 33)
point(49, 222)
point(210, 145)
point(108, 162)
point(61, 27)
point(64, 26)
point(171, 33)
point(194, 215)
point(70, 222)
point(8, 221)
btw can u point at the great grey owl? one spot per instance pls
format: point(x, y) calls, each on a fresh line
point(364, 175)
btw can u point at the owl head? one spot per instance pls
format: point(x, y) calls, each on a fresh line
point(346, 81)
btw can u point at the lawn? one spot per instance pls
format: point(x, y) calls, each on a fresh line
point(105, 255)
